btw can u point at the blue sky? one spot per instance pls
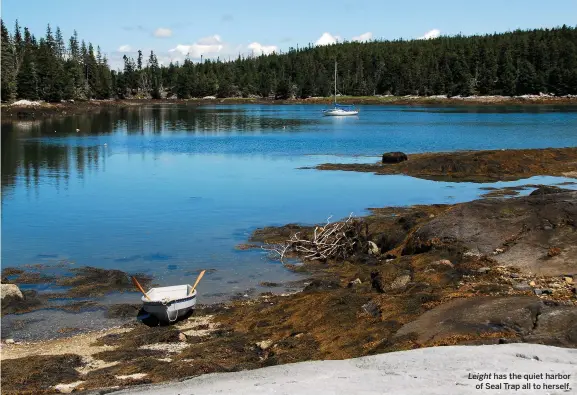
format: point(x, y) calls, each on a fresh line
point(224, 28)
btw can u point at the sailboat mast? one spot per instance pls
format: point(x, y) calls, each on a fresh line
point(335, 82)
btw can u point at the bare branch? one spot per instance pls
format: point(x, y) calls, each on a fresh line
point(333, 241)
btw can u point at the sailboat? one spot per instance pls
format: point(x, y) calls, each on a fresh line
point(339, 109)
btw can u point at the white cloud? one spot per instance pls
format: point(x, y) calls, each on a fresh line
point(363, 37)
point(210, 46)
point(262, 49)
point(124, 48)
point(430, 34)
point(162, 32)
point(210, 40)
point(327, 39)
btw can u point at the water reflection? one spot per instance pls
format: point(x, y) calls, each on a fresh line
point(57, 147)
point(33, 160)
point(65, 148)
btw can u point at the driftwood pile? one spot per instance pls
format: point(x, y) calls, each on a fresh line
point(333, 241)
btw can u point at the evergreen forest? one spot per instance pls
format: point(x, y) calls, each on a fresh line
point(53, 68)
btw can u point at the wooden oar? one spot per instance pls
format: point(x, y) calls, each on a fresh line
point(196, 283)
point(137, 285)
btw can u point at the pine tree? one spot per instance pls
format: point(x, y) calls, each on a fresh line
point(8, 73)
point(86, 89)
point(60, 46)
point(50, 72)
point(185, 79)
point(155, 76)
point(104, 79)
point(27, 78)
point(527, 81)
point(18, 47)
point(74, 68)
point(507, 83)
point(91, 66)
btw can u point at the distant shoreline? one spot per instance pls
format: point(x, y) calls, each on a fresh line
point(43, 110)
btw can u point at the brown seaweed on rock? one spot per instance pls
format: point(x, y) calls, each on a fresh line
point(92, 281)
point(38, 374)
point(29, 302)
point(476, 166)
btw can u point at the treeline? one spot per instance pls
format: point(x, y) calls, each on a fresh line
point(48, 69)
point(515, 63)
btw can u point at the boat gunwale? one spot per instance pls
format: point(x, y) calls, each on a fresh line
point(167, 303)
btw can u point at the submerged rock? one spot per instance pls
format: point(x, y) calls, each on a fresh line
point(92, 281)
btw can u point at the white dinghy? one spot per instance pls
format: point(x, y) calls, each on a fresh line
point(168, 304)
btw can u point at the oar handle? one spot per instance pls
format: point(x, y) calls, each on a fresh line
point(196, 283)
point(137, 285)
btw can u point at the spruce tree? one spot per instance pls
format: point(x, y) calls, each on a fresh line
point(18, 47)
point(155, 76)
point(8, 66)
point(104, 84)
point(60, 46)
point(27, 78)
point(507, 82)
point(74, 67)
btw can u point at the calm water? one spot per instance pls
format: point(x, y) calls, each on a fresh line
point(168, 190)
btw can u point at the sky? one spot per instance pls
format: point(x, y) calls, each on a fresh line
point(174, 29)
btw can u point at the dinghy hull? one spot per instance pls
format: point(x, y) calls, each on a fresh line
point(168, 304)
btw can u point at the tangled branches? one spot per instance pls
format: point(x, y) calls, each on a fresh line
point(337, 240)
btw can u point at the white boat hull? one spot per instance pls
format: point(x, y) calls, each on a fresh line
point(338, 112)
point(169, 303)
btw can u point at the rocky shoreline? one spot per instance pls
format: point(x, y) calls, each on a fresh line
point(41, 110)
point(471, 166)
point(490, 271)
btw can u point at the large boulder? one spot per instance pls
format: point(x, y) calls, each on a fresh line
point(394, 157)
point(11, 296)
point(556, 326)
point(517, 231)
point(15, 301)
point(548, 190)
point(471, 316)
point(9, 293)
point(528, 317)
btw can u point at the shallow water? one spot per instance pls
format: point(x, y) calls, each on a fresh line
point(168, 190)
